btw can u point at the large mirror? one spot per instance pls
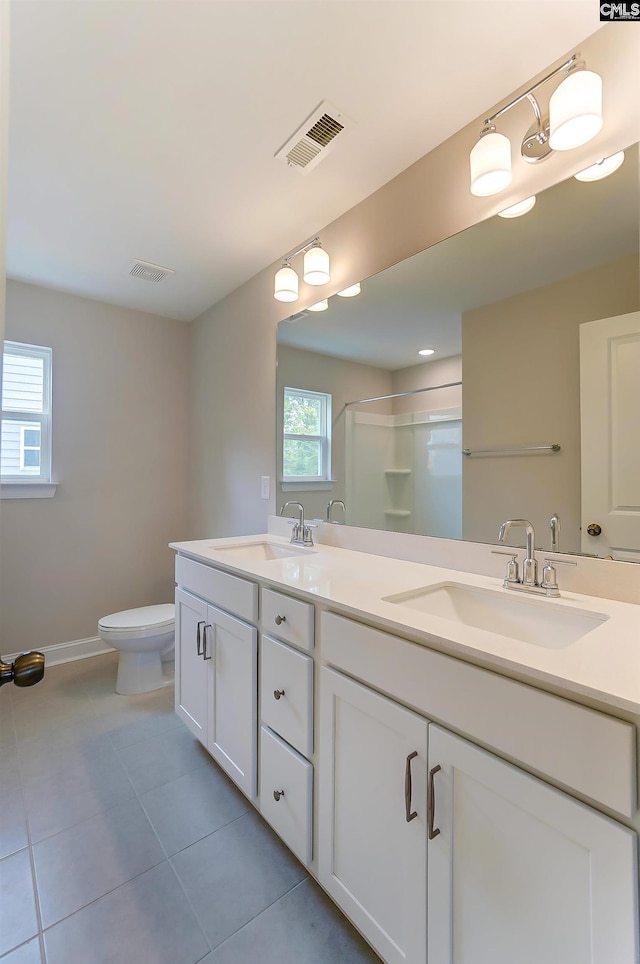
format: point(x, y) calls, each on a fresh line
point(504, 306)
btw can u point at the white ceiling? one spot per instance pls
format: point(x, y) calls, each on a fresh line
point(147, 128)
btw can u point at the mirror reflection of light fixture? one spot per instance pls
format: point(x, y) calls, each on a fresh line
point(426, 351)
point(350, 292)
point(315, 271)
point(522, 207)
point(575, 109)
point(602, 168)
point(319, 306)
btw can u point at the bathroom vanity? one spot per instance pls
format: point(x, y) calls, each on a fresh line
point(457, 768)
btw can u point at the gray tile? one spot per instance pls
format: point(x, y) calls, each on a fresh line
point(25, 954)
point(193, 806)
point(147, 921)
point(53, 752)
point(235, 873)
point(92, 858)
point(19, 921)
point(13, 818)
point(76, 792)
point(162, 758)
point(51, 715)
point(303, 927)
point(140, 722)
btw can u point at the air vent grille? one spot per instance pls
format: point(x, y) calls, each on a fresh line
point(315, 138)
point(150, 272)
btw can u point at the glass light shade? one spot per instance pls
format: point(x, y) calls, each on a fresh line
point(286, 284)
point(319, 306)
point(490, 163)
point(351, 291)
point(575, 110)
point(602, 168)
point(316, 266)
point(517, 209)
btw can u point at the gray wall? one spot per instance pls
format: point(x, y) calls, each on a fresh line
point(233, 345)
point(120, 455)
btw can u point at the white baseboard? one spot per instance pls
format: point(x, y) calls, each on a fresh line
point(67, 652)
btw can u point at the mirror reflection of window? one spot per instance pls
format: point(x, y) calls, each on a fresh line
point(306, 450)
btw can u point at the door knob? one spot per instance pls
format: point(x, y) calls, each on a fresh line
point(594, 529)
point(26, 670)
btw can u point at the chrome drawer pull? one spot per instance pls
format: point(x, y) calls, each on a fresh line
point(277, 694)
point(431, 803)
point(277, 794)
point(280, 619)
point(198, 643)
point(408, 814)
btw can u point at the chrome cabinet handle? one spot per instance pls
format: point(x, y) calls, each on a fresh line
point(408, 814)
point(280, 619)
point(277, 694)
point(431, 804)
point(198, 643)
point(277, 794)
point(204, 640)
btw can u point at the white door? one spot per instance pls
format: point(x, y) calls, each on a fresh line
point(520, 872)
point(371, 857)
point(191, 682)
point(231, 652)
point(610, 430)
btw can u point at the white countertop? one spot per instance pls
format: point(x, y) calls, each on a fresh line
point(603, 664)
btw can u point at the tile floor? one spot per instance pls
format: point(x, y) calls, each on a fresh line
point(122, 842)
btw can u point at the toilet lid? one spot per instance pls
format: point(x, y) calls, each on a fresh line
point(144, 618)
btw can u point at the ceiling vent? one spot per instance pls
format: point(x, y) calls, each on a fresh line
point(150, 272)
point(315, 138)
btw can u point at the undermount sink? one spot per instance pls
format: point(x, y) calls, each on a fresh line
point(531, 620)
point(262, 551)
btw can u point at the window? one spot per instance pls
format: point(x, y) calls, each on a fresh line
point(25, 444)
point(306, 443)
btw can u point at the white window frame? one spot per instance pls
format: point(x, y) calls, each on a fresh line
point(30, 448)
point(36, 484)
point(324, 438)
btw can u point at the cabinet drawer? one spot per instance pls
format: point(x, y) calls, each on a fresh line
point(578, 748)
point(289, 619)
point(289, 777)
point(234, 595)
point(289, 713)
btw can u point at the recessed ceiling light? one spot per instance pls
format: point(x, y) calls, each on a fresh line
point(602, 168)
point(517, 209)
point(351, 291)
point(319, 306)
point(426, 351)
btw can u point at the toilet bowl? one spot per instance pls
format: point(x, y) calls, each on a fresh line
point(144, 638)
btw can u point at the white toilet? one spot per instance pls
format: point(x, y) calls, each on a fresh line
point(144, 638)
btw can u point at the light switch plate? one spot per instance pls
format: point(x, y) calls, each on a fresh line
point(264, 486)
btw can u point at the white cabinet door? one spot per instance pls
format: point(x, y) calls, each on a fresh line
point(191, 682)
point(371, 858)
point(522, 872)
point(231, 653)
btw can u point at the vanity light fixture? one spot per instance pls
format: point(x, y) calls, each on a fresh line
point(602, 168)
point(350, 292)
point(522, 207)
point(319, 305)
point(315, 271)
point(426, 351)
point(575, 116)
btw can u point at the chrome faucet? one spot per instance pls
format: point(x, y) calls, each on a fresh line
point(528, 581)
point(330, 506)
point(301, 532)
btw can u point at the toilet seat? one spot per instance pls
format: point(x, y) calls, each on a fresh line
point(143, 622)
